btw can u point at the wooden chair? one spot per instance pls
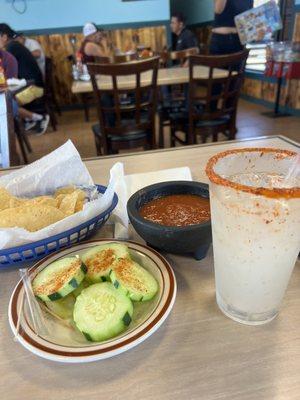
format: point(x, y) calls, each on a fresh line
point(88, 98)
point(115, 130)
point(51, 103)
point(123, 58)
point(164, 58)
point(212, 102)
point(116, 59)
point(177, 96)
point(22, 138)
point(182, 55)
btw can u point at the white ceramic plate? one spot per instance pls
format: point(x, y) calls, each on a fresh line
point(66, 344)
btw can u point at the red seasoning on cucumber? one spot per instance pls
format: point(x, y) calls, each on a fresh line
point(59, 279)
point(96, 290)
point(100, 259)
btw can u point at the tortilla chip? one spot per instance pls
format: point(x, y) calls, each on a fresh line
point(16, 202)
point(30, 218)
point(79, 205)
point(68, 202)
point(41, 200)
point(70, 190)
point(59, 199)
point(64, 190)
point(5, 198)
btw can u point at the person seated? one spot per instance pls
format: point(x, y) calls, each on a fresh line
point(95, 43)
point(185, 38)
point(35, 49)
point(32, 120)
point(27, 65)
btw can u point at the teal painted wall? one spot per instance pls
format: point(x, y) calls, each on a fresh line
point(49, 14)
point(195, 11)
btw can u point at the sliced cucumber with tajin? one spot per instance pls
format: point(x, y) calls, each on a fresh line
point(63, 307)
point(102, 312)
point(133, 280)
point(59, 279)
point(84, 284)
point(99, 260)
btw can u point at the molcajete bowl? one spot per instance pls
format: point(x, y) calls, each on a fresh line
point(192, 239)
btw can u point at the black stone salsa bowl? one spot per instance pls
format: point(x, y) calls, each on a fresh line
point(193, 239)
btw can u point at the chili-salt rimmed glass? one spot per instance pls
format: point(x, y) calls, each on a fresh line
point(256, 230)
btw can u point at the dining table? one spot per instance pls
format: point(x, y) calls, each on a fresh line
point(198, 353)
point(165, 77)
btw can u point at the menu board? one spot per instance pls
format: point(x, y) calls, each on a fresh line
point(258, 24)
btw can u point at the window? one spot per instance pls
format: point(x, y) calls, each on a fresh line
point(257, 56)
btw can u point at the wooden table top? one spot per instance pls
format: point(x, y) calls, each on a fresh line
point(166, 76)
point(197, 353)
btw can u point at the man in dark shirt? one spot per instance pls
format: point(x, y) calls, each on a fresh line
point(185, 38)
point(27, 65)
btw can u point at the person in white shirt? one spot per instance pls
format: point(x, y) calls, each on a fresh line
point(36, 50)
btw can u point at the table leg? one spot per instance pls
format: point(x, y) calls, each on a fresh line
point(84, 98)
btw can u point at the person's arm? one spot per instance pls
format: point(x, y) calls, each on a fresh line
point(93, 49)
point(220, 6)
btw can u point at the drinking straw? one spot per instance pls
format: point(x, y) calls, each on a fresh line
point(19, 317)
point(36, 313)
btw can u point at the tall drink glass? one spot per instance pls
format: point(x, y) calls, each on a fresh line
point(255, 215)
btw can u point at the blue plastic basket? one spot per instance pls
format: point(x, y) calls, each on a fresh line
point(36, 250)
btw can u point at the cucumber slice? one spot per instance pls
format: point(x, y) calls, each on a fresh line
point(62, 307)
point(102, 312)
point(99, 260)
point(59, 279)
point(133, 280)
point(84, 284)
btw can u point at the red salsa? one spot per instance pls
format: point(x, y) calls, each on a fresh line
point(177, 210)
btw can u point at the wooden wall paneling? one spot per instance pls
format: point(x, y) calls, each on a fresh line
point(252, 88)
point(58, 47)
point(268, 91)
